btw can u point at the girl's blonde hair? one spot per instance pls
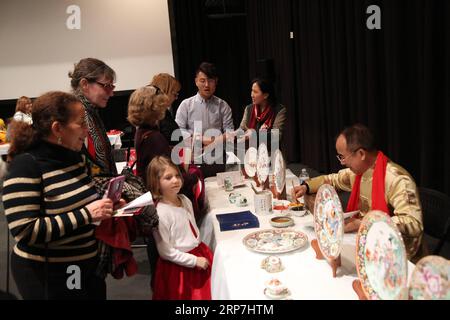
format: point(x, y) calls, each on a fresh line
point(147, 105)
point(155, 171)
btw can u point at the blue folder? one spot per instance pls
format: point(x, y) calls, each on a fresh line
point(237, 220)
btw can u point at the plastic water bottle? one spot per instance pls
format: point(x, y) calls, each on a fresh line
point(303, 176)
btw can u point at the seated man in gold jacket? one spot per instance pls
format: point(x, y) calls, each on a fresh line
point(375, 183)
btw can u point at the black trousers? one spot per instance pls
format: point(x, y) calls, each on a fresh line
point(35, 281)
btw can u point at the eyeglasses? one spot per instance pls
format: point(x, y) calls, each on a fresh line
point(341, 158)
point(106, 86)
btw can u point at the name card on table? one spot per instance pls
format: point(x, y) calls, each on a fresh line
point(237, 220)
point(235, 176)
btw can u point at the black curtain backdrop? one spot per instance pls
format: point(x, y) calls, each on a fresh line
point(395, 80)
point(205, 30)
point(334, 72)
point(269, 26)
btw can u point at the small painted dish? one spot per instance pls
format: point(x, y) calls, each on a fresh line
point(281, 222)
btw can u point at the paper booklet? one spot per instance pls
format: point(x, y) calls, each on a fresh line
point(135, 206)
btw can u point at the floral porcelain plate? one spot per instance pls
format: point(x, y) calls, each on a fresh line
point(263, 165)
point(328, 221)
point(250, 161)
point(381, 258)
point(430, 279)
point(279, 171)
point(275, 240)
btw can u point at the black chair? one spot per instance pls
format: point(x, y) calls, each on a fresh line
point(436, 216)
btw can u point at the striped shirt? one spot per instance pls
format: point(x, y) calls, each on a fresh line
point(44, 195)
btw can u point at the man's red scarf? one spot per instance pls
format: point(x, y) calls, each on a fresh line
point(378, 199)
point(266, 117)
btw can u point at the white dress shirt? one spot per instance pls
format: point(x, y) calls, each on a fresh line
point(174, 237)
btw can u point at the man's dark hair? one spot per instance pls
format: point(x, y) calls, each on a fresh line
point(359, 136)
point(207, 68)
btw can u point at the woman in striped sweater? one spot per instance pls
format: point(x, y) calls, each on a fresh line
point(50, 204)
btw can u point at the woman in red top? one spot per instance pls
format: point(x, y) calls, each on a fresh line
point(265, 113)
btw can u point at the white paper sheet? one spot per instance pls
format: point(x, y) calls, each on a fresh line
point(144, 200)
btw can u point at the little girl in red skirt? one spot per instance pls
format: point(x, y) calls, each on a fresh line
point(183, 269)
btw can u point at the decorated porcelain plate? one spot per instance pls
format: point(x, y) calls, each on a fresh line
point(279, 171)
point(275, 240)
point(250, 161)
point(430, 279)
point(381, 258)
point(263, 165)
point(328, 221)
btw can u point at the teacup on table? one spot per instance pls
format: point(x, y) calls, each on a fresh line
point(238, 199)
point(272, 264)
point(233, 197)
point(275, 289)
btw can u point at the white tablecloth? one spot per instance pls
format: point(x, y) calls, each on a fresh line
point(237, 272)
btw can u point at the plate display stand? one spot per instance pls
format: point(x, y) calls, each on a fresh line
point(278, 178)
point(250, 163)
point(357, 287)
point(244, 173)
point(277, 195)
point(262, 167)
point(266, 185)
point(334, 263)
point(255, 178)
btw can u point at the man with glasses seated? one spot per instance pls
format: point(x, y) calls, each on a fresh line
point(375, 183)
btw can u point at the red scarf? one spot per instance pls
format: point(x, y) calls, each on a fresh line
point(266, 117)
point(378, 200)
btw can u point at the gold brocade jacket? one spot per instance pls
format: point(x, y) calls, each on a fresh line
point(401, 196)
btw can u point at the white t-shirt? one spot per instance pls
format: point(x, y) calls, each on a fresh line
point(174, 237)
